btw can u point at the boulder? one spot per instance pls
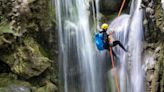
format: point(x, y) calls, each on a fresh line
point(49, 87)
point(6, 34)
point(15, 88)
point(9, 83)
point(28, 60)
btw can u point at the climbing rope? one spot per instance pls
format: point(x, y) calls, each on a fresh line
point(111, 55)
point(115, 73)
point(122, 6)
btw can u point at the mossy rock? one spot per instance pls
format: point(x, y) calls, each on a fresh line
point(31, 1)
point(10, 84)
point(15, 88)
point(27, 60)
point(3, 90)
point(5, 28)
point(48, 88)
point(7, 35)
point(39, 20)
point(8, 80)
point(158, 80)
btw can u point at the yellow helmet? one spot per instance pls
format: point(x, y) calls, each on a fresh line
point(104, 26)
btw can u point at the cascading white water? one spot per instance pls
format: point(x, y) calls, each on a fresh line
point(129, 30)
point(80, 69)
point(121, 27)
point(135, 47)
point(77, 62)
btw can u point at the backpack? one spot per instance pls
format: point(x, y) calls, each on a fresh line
point(99, 41)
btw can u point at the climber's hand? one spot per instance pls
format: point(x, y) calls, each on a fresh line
point(111, 44)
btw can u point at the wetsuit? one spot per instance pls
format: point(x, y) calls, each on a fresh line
point(108, 44)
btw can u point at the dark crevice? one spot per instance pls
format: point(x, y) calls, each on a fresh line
point(4, 68)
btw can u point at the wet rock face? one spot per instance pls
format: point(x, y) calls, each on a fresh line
point(5, 8)
point(27, 38)
point(30, 15)
point(151, 67)
point(111, 6)
point(153, 21)
point(154, 41)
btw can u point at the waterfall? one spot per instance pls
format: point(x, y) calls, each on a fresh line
point(121, 27)
point(84, 69)
point(77, 63)
point(162, 2)
point(135, 47)
point(129, 30)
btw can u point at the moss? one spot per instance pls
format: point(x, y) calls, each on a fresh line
point(5, 27)
point(44, 53)
point(158, 14)
point(31, 1)
point(10, 83)
point(19, 68)
point(48, 88)
point(27, 60)
point(37, 47)
point(9, 79)
point(3, 90)
point(51, 12)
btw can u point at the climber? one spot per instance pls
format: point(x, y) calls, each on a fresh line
point(107, 40)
